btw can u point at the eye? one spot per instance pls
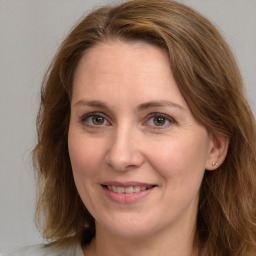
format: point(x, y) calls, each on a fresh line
point(160, 120)
point(95, 119)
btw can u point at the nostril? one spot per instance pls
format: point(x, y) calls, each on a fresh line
point(124, 155)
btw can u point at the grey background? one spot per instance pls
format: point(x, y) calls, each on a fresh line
point(30, 32)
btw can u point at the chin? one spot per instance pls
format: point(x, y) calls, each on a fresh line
point(134, 233)
point(129, 228)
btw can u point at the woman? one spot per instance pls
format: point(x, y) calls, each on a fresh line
point(146, 142)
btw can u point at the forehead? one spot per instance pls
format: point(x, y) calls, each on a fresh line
point(116, 68)
point(129, 55)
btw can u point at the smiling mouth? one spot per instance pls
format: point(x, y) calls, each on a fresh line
point(127, 190)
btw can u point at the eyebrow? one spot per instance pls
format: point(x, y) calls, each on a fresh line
point(141, 107)
point(91, 103)
point(161, 103)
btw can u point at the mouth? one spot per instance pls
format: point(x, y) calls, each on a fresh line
point(127, 192)
point(128, 189)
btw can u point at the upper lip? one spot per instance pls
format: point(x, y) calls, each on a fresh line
point(127, 184)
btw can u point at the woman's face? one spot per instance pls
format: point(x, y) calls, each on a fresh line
point(138, 155)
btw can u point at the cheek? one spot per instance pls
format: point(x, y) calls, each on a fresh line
point(84, 155)
point(181, 165)
point(85, 160)
point(181, 157)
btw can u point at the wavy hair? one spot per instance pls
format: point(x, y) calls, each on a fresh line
point(209, 79)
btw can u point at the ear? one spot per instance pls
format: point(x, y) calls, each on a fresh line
point(217, 151)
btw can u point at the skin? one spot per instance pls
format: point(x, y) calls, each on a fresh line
point(129, 122)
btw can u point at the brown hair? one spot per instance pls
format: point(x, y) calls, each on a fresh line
point(209, 79)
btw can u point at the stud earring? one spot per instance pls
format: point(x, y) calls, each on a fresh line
point(214, 163)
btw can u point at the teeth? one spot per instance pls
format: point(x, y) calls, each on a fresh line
point(127, 190)
point(119, 190)
point(136, 189)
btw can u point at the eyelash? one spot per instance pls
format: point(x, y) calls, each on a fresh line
point(84, 120)
point(165, 118)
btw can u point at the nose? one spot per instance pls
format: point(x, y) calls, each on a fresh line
point(124, 152)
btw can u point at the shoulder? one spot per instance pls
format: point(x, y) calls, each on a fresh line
point(36, 250)
point(48, 250)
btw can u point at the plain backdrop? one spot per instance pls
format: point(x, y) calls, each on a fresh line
point(30, 32)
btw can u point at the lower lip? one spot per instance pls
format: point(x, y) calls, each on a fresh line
point(124, 198)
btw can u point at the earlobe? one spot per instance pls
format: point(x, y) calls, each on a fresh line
point(217, 152)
